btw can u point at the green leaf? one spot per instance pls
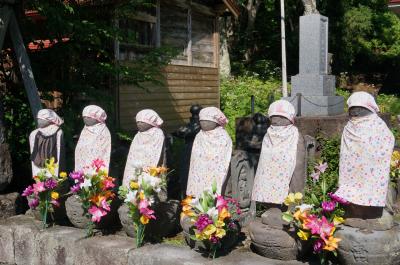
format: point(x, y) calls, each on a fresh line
point(214, 187)
point(287, 217)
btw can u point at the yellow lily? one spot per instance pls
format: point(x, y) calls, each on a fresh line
point(338, 220)
point(220, 233)
point(54, 195)
point(144, 220)
point(141, 195)
point(298, 196)
point(209, 230)
point(219, 224)
point(63, 175)
point(332, 243)
point(290, 199)
point(303, 235)
point(224, 214)
point(134, 185)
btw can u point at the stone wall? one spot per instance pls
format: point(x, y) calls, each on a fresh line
point(22, 242)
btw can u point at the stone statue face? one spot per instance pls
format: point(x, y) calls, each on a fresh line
point(142, 126)
point(359, 112)
point(42, 123)
point(90, 121)
point(208, 125)
point(279, 121)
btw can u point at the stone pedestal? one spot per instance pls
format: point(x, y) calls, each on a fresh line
point(8, 205)
point(313, 89)
point(360, 247)
point(274, 238)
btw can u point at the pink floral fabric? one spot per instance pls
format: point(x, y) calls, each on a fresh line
point(365, 153)
point(51, 116)
point(94, 141)
point(211, 155)
point(282, 108)
point(276, 165)
point(213, 114)
point(149, 116)
point(145, 151)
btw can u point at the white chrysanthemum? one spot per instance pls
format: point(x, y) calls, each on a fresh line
point(304, 207)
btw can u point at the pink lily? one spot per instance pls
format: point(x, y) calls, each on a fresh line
point(98, 163)
point(28, 191)
point(143, 204)
point(322, 167)
point(38, 187)
point(147, 212)
point(315, 175)
point(313, 224)
point(105, 205)
point(55, 203)
point(221, 203)
point(326, 228)
point(97, 213)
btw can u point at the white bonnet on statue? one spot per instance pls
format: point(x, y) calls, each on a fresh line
point(282, 108)
point(213, 114)
point(95, 112)
point(50, 116)
point(363, 99)
point(149, 116)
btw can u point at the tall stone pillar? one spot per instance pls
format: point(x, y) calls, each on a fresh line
point(314, 85)
point(5, 158)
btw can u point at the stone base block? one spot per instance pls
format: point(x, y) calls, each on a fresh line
point(376, 247)
point(313, 84)
point(8, 205)
point(272, 243)
point(318, 105)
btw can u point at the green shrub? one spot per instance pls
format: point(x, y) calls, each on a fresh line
point(236, 97)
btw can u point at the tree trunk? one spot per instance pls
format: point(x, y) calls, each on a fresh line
point(252, 8)
point(224, 57)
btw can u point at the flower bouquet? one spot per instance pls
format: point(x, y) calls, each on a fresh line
point(213, 219)
point(395, 168)
point(94, 189)
point(43, 194)
point(317, 221)
point(140, 196)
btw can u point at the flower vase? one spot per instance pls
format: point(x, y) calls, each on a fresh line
point(59, 216)
point(78, 219)
point(165, 224)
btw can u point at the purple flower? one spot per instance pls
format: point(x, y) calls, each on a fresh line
point(318, 246)
point(232, 226)
point(28, 191)
point(214, 239)
point(77, 175)
point(337, 199)
point(328, 206)
point(33, 203)
point(75, 188)
point(202, 222)
point(50, 184)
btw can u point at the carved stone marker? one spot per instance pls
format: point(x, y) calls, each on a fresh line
point(316, 86)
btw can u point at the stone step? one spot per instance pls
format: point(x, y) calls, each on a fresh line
point(23, 242)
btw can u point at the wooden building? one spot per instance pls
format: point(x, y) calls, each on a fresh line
point(190, 26)
point(394, 5)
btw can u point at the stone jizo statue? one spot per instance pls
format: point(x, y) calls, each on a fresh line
point(310, 7)
point(281, 168)
point(95, 139)
point(364, 168)
point(211, 153)
point(46, 141)
point(147, 145)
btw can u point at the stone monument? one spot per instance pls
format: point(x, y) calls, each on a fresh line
point(313, 89)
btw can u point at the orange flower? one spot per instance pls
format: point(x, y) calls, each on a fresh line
point(332, 243)
point(155, 171)
point(96, 199)
point(224, 214)
point(108, 194)
point(187, 200)
point(301, 216)
point(141, 195)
